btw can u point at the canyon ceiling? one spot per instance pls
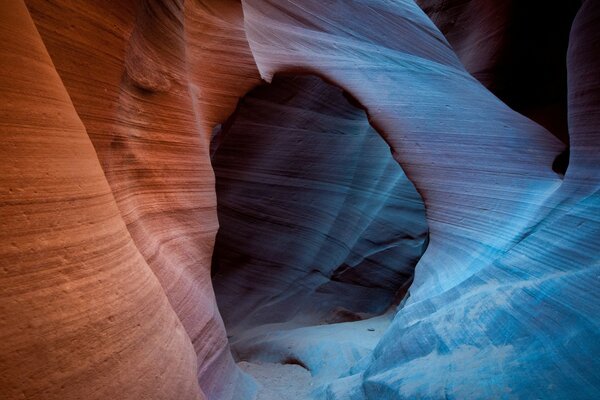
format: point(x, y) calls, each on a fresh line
point(401, 197)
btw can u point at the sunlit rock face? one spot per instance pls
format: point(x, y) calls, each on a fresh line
point(318, 223)
point(108, 208)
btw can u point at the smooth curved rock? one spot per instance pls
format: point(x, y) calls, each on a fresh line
point(493, 304)
point(105, 255)
point(221, 66)
point(129, 75)
point(82, 314)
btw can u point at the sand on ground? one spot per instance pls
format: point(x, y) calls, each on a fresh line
point(280, 381)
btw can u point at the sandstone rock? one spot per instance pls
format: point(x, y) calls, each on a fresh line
point(493, 305)
point(517, 49)
point(108, 210)
point(82, 314)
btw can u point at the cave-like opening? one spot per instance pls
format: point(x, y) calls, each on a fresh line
point(320, 229)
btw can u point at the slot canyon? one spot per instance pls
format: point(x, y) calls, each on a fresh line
point(299, 199)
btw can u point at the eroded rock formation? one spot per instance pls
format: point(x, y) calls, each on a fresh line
point(108, 205)
point(318, 223)
point(82, 314)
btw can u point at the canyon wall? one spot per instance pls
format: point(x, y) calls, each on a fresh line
point(517, 49)
point(126, 66)
point(108, 210)
point(506, 286)
point(83, 316)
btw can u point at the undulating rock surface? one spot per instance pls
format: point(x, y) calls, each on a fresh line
point(82, 314)
point(108, 207)
point(506, 287)
point(126, 68)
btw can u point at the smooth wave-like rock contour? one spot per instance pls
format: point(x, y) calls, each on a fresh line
point(108, 209)
point(128, 77)
point(82, 314)
point(495, 301)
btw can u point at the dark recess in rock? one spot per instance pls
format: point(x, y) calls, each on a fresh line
point(317, 221)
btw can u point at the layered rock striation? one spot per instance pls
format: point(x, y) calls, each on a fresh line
point(517, 49)
point(108, 208)
point(493, 304)
point(82, 313)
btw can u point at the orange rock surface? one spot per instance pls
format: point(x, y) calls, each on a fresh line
point(82, 313)
point(108, 207)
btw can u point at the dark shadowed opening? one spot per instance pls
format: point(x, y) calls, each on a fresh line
point(319, 225)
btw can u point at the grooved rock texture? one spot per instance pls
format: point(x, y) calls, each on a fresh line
point(221, 66)
point(126, 66)
point(108, 208)
point(82, 314)
point(506, 286)
point(318, 223)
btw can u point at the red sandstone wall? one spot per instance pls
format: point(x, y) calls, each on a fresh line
point(83, 316)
